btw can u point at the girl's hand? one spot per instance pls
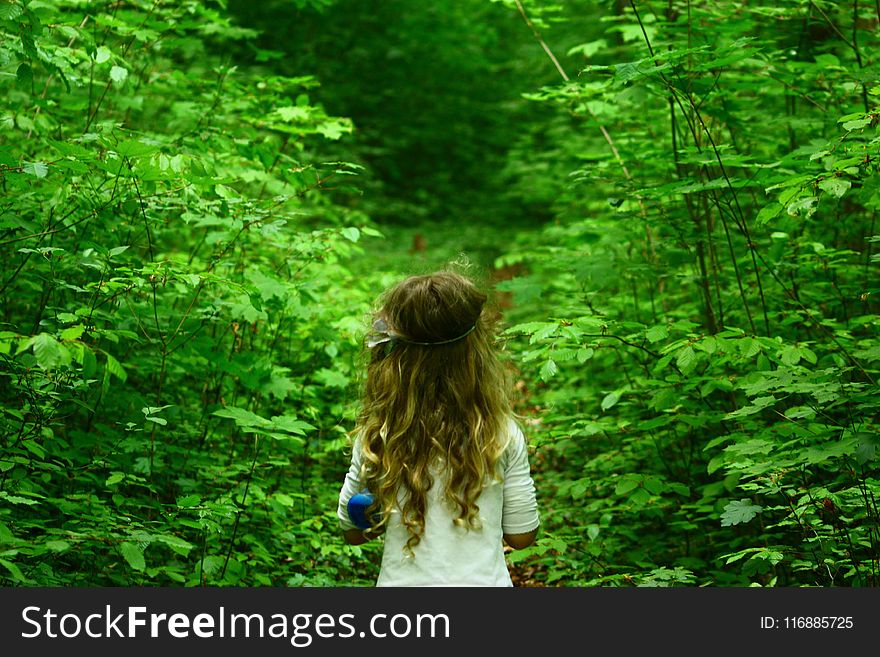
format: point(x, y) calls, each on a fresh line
point(520, 541)
point(358, 536)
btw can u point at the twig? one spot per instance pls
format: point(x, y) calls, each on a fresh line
point(565, 77)
point(649, 240)
point(241, 506)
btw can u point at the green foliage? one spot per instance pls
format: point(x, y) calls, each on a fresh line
point(168, 241)
point(707, 387)
point(678, 213)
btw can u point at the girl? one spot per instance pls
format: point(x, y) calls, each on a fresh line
point(436, 444)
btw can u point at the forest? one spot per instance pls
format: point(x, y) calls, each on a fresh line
point(672, 203)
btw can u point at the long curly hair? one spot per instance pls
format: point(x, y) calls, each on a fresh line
point(436, 395)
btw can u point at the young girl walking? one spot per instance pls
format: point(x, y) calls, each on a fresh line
point(436, 444)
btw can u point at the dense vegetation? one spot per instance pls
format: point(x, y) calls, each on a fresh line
point(675, 204)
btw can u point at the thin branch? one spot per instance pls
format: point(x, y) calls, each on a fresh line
point(649, 240)
point(565, 77)
point(835, 30)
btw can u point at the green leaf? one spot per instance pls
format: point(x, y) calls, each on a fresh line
point(351, 233)
point(14, 570)
point(806, 205)
point(866, 451)
point(134, 555)
point(49, 352)
point(750, 347)
point(857, 124)
point(118, 74)
point(24, 75)
point(224, 191)
point(37, 169)
point(548, 369)
point(680, 489)
point(835, 186)
point(707, 344)
point(808, 355)
point(533, 328)
point(58, 546)
point(656, 333)
point(291, 114)
point(6, 536)
point(73, 333)
point(284, 500)
point(738, 512)
point(334, 129)
point(10, 11)
point(17, 499)
point(758, 404)
point(525, 289)
point(790, 355)
point(733, 557)
point(829, 451)
point(331, 378)
point(610, 400)
point(291, 424)
point(73, 150)
point(178, 545)
point(544, 333)
point(89, 362)
point(135, 149)
point(279, 387)
point(188, 501)
point(114, 478)
point(102, 54)
point(655, 485)
point(212, 564)
point(584, 354)
point(114, 367)
point(588, 49)
point(242, 417)
point(768, 212)
point(686, 360)
point(628, 483)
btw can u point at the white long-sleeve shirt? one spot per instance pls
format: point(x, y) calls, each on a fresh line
point(450, 555)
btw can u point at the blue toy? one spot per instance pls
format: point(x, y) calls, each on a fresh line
point(357, 510)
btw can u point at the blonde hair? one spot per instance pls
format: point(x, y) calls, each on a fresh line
point(435, 393)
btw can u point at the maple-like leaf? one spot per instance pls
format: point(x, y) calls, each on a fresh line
point(739, 511)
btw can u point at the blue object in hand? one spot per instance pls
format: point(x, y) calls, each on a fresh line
point(357, 509)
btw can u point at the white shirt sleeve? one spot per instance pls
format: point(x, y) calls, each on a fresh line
point(520, 510)
point(350, 487)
